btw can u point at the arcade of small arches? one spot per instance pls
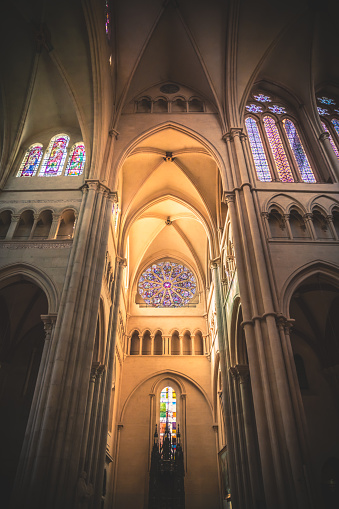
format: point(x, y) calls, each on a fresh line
point(45, 224)
point(176, 343)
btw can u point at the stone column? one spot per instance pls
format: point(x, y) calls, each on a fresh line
point(181, 345)
point(53, 463)
point(104, 402)
point(54, 226)
point(331, 227)
point(325, 140)
point(249, 427)
point(288, 226)
point(308, 218)
point(12, 227)
point(36, 217)
point(152, 344)
point(93, 376)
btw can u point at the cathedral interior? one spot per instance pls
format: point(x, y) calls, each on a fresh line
point(169, 254)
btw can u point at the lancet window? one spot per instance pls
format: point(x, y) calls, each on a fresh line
point(76, 161)
point(31, 161)
point(55, 156)
point(277, 149)
point(168, 413)
point(328, 110)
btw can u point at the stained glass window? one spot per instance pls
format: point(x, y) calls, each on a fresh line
point(258, 151)
point(76, 161)
point(31, 161)
point(108, 20)
point(298, 152)
point(277, 109)
point(281, 161)
point(326, 100)
point(168, 413)
point(335, 123)
point(262, 98)
point(253, 108)
point(167, 284)
point(323, 111)
point(334, 146)
point(55, 156)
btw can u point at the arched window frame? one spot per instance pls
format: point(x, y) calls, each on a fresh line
point(71, 153)
point(26, 157)
point(42, 171)
point(278, 120)
point(328, 113)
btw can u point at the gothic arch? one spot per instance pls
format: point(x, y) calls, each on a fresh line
point(29, 272)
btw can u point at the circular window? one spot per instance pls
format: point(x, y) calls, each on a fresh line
point(169, 88)
point(167, 284)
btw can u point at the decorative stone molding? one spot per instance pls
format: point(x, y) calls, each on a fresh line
point(214, 264)
point(114, 133)
point(324, 136)
point(228, 198)
point(122, 261)
point(49, 322)
point(36, 245)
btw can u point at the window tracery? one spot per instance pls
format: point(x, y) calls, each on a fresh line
point(76, 161)
point(277, 150)
point(31, 161)
point(167, 284)
point(329, 117)
point(55, 156)
point(168, 413)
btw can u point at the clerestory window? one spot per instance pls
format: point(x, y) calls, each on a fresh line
point(329, 114)
point(277, 149)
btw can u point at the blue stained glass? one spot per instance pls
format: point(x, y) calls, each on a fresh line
point(337, 111)
point(262, 98)
point(76, 161)
point(168, 413)
point(322, 111)
point(298, 152)
point(326, 100)
point(167, 284)
point(258, 152)
point(253, 108)
point(31, 161)
point(55, 157)
point(335, 123)
point(334, 146)
point(278, 151)
point(277, 109)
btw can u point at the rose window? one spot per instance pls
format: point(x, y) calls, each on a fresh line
point(167, 284)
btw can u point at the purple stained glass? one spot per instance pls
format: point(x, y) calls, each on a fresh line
point(253, 108)
point(262, 98)
point(258, 151)
point(31, 161)
point(323, 111)
point(168, 413)
point(55, 157)
point(277, 109)
point(108, 20)
point(76, 161)
point(167, 284)
point(334, 146)
point(326, 100)
point(280, 159)
point(335, 123)
point(304, 167)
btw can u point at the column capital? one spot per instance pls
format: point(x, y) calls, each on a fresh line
point(308, 216)
point(214, 264)
point(122, 261)
point(324, 136)
point(113, 133)
point(94, 371)
point(243, 373)
point(49, 322)
point(15, 217)
point(228, 198)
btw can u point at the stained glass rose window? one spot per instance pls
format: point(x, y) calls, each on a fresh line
point(167, 284)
